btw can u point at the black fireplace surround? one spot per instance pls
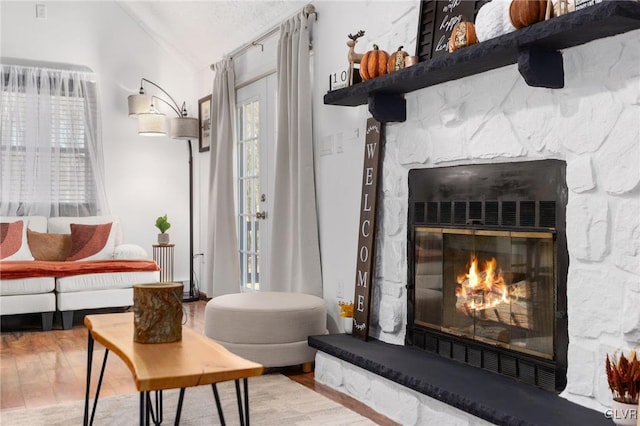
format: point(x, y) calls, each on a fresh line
point(514, 212)
point(526, 197)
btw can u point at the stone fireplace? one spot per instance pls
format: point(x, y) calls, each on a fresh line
point(592, 125)
point(488, 264)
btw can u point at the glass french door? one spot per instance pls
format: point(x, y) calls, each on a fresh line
point(255, 136)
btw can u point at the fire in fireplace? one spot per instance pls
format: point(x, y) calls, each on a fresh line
point(488, 261)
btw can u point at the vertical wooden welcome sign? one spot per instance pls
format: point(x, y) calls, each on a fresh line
point(367, 229)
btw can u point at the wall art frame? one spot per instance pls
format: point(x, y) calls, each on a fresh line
point(204, 123)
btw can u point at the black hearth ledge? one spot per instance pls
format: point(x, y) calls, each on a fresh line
point(490, 396)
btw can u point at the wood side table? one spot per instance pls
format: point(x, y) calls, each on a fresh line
point(163, 255)
point(193, 361)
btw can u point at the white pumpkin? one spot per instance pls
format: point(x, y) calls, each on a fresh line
point(493, 20)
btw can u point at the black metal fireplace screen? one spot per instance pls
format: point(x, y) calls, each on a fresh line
point(488, 263)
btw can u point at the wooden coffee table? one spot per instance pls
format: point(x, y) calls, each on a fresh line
point(193, 361)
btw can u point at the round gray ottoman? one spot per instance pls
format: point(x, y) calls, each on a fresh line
point(270, 328)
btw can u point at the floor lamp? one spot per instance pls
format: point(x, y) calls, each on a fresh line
point(151, 122)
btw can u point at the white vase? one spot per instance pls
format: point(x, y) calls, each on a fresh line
point(624, 414)
point(348, 324)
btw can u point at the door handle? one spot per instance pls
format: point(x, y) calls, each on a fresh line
point(261, 215)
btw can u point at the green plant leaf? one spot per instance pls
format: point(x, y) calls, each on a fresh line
point(162, 224)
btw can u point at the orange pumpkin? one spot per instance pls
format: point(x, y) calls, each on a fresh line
point(462, 35)
point(374, 63)
point(396, 60)
point(527, 12)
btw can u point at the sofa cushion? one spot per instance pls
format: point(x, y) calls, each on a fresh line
point(13, 241)
point(53, 247)
point(91, 242)
point(106, 281)
point(27, 286)
point(62, 225)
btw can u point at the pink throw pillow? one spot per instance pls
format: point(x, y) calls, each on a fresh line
point(91, 242)
point(13, 241)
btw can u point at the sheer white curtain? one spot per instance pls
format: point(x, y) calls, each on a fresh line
point(51, 148)
point(222, 254)
point(295, 251)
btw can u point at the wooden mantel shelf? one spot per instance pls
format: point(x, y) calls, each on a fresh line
point(536, 49)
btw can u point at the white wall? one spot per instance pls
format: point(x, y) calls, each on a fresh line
point(340, 130)
point(145, 177)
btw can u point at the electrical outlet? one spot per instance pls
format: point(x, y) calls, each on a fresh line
point(340, 290)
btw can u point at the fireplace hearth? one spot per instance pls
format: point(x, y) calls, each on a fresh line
point(488, 268)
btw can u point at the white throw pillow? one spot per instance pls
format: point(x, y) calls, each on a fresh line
point(130, 252)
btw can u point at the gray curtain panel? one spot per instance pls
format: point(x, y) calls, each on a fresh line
point(295, 250)
point(223, 266)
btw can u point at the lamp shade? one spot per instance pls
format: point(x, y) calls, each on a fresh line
point(138, 104)
point(152, 124)
point(184, 128)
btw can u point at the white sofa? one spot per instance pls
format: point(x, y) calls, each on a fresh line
point(77, 292)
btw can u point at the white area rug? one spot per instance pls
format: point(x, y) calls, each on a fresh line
point(273, 400)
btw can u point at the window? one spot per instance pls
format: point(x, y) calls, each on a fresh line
point(50, 151)
point(249, 193)
point(255, 136)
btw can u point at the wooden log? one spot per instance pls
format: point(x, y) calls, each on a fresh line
point(157, 312)
point(518, 312)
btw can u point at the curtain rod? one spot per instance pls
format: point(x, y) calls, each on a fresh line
point(308, 10)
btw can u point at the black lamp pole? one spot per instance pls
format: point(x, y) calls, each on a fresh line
point(192, 293)
point(182, 112)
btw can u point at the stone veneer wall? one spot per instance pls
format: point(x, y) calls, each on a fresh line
point(594, 125)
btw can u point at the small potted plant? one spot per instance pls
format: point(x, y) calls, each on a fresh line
point(623, 376)
point(346, 312)
point(163, 225)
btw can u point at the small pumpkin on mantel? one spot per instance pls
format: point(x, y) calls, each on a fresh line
point(462, 35)
point(396, 60)
point(374, 63)
point(527, 12)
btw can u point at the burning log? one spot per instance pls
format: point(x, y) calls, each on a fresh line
point(513, 306)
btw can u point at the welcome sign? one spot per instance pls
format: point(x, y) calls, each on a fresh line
point(367, 229)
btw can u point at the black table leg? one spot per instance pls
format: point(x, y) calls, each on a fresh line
point(143, 408)
point(155, 411)
point(179, 410)
point(218, 404)
point(246, 400)
point(86, 420)
point(239, 398)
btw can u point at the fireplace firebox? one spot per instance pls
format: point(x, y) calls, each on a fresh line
point(488, 267)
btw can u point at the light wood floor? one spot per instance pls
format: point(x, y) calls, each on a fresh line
point(46, 368)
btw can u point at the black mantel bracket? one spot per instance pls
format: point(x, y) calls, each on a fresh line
point(388, 107)
point(541, 67)
point(536, 49)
